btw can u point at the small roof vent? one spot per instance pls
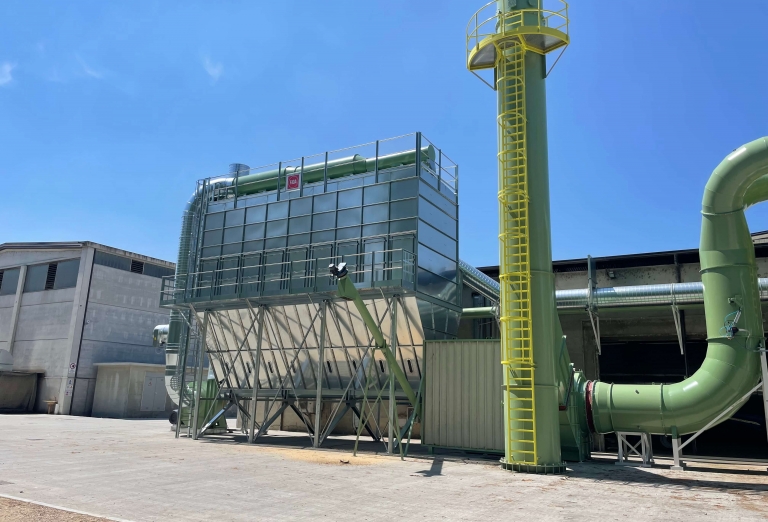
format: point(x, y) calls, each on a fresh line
point(137, 267)
point(50, 277)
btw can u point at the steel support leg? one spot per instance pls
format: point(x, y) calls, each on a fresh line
point(764, 366)
point(199, 376)
point(677, 455)
point(265, 426)
point(319, 376)
point(216, 417)
point(303, 418)
point(182, 359)
point(392, 402)
point(256, 378)
point(364, 421)
point(335, 421)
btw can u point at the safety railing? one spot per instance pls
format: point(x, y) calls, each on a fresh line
point(489, 21)
point(319, 170)
point(254, 275)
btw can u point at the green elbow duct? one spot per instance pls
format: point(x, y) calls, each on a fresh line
point(733, 316)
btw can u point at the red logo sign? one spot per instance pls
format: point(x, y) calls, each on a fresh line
point(293, 181)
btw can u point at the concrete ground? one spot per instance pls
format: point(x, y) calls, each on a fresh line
point(136, 470)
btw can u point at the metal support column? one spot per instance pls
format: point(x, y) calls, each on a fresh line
point(256, 377)
point(764, 367)
point(181, 361)
point(392, 402)
point(642, 448)
point(677, 448)
point(199, 376)
point(319, 376)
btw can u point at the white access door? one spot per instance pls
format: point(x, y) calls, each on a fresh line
point(153, 395)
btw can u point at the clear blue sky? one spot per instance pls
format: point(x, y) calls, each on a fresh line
point(110, 111)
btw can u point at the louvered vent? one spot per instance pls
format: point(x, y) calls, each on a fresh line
point(50, 278)
point(137, 267)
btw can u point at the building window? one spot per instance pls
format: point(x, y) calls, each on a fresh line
point(9, 280)
point(131, 265)
point(53, 276)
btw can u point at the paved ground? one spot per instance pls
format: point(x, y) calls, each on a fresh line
point(136, 470)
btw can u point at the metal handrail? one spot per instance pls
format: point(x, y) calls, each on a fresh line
point(330, 153)
point(510, 22)
point(364, 267)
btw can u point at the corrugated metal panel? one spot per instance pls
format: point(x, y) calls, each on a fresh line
point(463, 395)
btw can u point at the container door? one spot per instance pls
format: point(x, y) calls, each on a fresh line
point(160, 393)
point(148, 393)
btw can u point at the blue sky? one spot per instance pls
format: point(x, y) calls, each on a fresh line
point(109, 112)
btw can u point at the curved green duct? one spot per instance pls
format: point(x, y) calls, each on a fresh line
point(733, 316)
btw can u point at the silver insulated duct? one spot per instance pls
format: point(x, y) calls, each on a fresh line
point(641, 295)
point(616, 297)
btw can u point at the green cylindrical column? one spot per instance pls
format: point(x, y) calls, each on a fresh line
point(544, 320)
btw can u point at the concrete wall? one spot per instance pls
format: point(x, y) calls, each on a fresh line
point(123, 308)
point(107, 317)
point(6, 311)
point(43, 325)
point(120, 388)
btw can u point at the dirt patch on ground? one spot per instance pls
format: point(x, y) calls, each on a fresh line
point(15, 510)
point(335, 458)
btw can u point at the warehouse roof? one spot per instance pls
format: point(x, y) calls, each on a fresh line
point(671, 257)
point(68, 245)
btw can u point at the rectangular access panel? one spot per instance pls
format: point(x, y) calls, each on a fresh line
point(463, 395)
point(153, 393)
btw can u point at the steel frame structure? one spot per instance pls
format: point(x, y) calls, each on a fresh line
point(282, 379)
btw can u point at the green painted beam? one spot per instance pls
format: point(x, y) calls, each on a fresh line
point(482, 312)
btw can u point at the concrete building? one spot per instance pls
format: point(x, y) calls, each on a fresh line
point(65, 307)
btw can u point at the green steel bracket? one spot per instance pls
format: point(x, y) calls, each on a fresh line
point(347, 290)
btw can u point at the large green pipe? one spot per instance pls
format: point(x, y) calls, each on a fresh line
point(729, 275)
point(338, 168)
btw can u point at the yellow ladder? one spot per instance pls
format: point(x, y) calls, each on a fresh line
point(515, 272)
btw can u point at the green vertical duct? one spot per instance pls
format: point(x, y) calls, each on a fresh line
point(347, 290)
point(732, 309)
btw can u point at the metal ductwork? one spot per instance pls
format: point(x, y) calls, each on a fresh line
point(612, 297)
point(733, 314)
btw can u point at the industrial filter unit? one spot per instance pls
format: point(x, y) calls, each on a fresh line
point(253, 291)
